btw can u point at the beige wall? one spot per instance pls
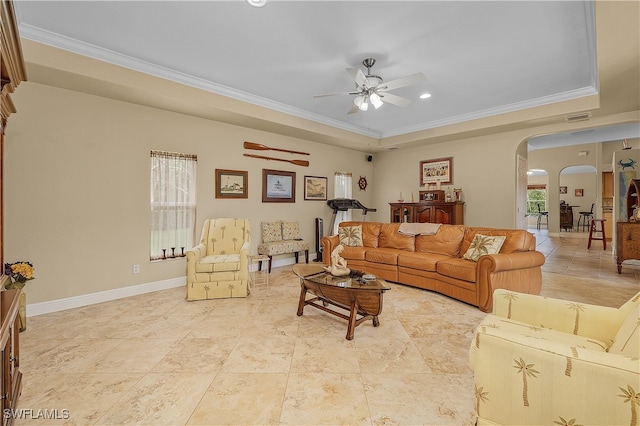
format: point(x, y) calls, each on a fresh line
point(77, 186)
point(77, 183)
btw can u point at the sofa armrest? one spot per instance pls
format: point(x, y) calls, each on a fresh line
point(518, 271)
point(510, 261)
point(194, 255)
point(598, 322)
point(523, 379)
point(329, 243)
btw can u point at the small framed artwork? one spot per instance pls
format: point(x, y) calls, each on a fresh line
point(315, 188)
point(579, 192)
point(436, 170)
point(563, 189)
point(231, 184)
point(278, 186)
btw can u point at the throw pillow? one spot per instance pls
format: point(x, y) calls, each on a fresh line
point(483, 244)
point(271, 231)
point(627, 341)
point(291, 231)
point(350, 235)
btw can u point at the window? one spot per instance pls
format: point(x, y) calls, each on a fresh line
point(173, 204)
point(536, 197)
point(341, 189)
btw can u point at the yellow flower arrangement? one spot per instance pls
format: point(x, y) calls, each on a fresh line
point(19, 272)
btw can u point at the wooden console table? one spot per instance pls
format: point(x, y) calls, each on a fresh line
point(356, 297)
point(11, 377)
point(627, 242)
point(451, 213)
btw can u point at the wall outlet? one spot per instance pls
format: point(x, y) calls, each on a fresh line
point(136, 269)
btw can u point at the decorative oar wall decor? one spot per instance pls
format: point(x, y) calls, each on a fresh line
point(303, 163)
point(260, 147)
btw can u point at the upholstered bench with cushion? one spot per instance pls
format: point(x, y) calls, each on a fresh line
point(282, 238)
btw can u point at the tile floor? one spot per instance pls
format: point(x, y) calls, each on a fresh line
point(156, 359)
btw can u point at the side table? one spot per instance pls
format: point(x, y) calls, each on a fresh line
point(259, 276)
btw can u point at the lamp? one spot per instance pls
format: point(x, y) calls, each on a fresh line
point(257, 3)
point(375, 100)
point(361, 102)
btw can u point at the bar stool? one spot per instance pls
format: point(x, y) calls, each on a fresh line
point(593, 229)
point(585, 217)
point(542, 214)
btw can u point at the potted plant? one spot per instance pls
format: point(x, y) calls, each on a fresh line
point(19, 273)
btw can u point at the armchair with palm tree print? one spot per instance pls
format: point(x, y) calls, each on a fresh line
point(218, 267)
point(538, 360)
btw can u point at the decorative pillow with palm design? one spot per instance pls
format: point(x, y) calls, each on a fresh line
point(482, 245)
point(350, 235)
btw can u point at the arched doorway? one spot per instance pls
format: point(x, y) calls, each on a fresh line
point(578, 192)
point(537, 199)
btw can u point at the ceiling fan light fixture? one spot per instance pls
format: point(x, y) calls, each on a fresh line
point(375, 100)
point(257, 3)
point(361, 102)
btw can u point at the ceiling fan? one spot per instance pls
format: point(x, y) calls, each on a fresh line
point(371, 89)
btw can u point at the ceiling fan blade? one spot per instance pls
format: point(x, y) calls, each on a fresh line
point(392, 99)
point(358, 76)
point(335, 94)
point(403, 82)
point(353, 110)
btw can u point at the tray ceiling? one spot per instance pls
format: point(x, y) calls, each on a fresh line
point(480, 58)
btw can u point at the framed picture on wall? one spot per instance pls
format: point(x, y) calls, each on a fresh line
point(231, 184)
point(436, 170)
point(315, 188)
point(579, 192)
point(563, 189)
point(278, 186)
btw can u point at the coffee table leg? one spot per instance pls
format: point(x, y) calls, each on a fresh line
point(352, 320)
point(376, 321)
point(303, 296)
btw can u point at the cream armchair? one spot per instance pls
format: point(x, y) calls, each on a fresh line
point(218, 267)
point(539, 360)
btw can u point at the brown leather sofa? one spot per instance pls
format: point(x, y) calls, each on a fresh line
point(434, 262)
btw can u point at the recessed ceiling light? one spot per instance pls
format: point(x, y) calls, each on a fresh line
point(425, 96)
point(257, 3)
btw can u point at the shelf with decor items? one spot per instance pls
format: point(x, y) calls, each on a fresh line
point(450, 213)
point(632, 198)
point(628, 233)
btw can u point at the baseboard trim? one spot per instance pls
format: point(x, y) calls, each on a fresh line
point(36, 309)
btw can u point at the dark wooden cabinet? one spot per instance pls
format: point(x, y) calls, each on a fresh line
point(628, 233)
point(10, 376)
point(566, 217)
point(428, 211)
point(627, 242)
